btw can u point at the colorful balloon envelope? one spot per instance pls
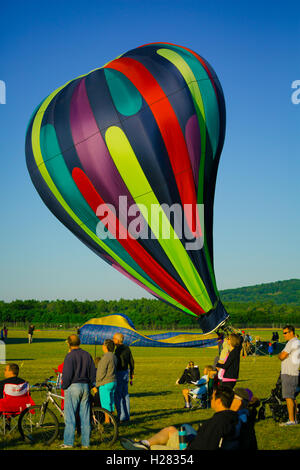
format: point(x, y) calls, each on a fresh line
point(126, 157)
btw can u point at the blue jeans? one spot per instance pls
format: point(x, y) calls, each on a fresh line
point(122, 395)
point(77, 396)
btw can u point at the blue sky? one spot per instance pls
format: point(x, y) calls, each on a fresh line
point(254, 49)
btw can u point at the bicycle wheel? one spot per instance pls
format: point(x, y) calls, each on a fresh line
point(38, 424)
point(103, 431)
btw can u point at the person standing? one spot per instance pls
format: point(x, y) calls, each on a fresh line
point(78, 377)
point(106, 378)
point(231, 364)
point(5, 330)
point(290, 362)
point(125, 372)
point(30, 333)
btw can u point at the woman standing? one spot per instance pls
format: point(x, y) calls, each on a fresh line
point(106, 378)
point(231, 365)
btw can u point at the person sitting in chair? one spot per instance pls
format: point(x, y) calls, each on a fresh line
point(190, 374)
point(14, 391)
point(201, 389)
point(11, 373)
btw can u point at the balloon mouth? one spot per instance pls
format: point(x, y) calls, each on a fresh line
point(213, 319)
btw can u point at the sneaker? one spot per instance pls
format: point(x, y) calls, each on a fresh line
point(65, 446)
point(288, 423)
point(133, 445)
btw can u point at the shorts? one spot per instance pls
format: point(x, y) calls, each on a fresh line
point(173, 442)
point(289, 385)
point(198, 392)
point(107, 396)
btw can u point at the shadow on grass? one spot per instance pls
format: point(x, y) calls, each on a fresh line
point(11, 359)
point(150, 394)
point(144, 417)
point(36, 340)
point(10, 441)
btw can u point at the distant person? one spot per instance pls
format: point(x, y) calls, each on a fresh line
point(2, 334)
point(210, 433)
point(190, 374)
point(231, 366)
point(270, 349)
point(290, 362)
point(30, 333)
point(5, 331)
point(125, 373)
point(78, 377)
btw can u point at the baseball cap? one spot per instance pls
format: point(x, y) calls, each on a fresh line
point(243, 393)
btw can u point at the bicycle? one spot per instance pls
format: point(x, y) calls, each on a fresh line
point(40, 424)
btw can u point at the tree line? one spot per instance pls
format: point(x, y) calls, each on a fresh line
point(144, 313)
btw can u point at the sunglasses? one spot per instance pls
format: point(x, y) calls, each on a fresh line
point(285, 332)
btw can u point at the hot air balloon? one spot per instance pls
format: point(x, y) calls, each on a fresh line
point(96, 330)
point(126, 157)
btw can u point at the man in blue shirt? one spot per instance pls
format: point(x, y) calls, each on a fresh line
point(78, 377)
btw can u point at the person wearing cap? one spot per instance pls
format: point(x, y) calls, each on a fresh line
point(242, 404)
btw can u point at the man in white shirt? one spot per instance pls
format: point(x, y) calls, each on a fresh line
point(290, 362)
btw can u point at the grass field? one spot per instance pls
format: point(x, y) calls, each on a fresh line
point(156, 401)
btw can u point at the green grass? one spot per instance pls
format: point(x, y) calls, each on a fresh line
point(156, 401)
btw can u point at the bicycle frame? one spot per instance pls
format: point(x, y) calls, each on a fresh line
point(50, 398)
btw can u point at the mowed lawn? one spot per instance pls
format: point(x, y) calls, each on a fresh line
point(156, 401)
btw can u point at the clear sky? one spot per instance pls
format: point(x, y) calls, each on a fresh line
point(254, 48)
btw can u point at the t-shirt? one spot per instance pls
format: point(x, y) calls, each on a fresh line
point(290, 365)
point(125, 359)
point(221, 425)
point(106, 370)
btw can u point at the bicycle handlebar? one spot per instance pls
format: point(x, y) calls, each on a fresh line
point(46, 384)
